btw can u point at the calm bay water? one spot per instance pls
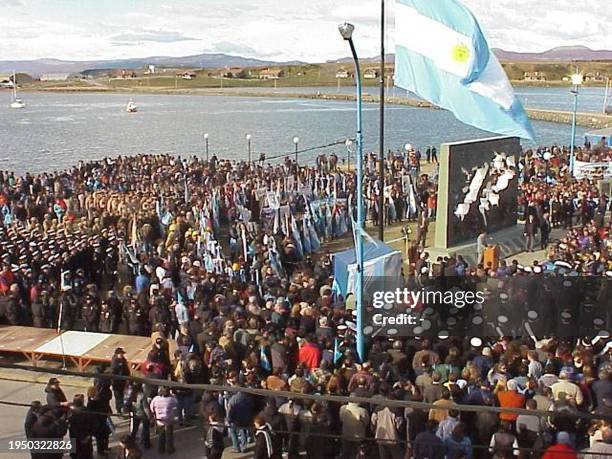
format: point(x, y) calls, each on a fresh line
point(554, 98)
point(57, 130)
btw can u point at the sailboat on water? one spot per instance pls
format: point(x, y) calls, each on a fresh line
point(131, 107)
point(16, 102)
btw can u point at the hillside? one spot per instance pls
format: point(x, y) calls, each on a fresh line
point(562, 54)
point(559, 54)
point(210, 60)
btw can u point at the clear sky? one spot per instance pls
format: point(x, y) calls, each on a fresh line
point(269, 29)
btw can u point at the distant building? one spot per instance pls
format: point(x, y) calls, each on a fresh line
point(370, 74)
point(271, 74)
point(6, 80)
point(231, 72)
point(123, 73)
point(55, 77)
point(187, 75)
point(595, 77)
point(150, 69)
point(78, 76)
point(343, 73)
point(534, 76)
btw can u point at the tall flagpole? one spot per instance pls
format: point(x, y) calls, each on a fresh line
point(381, 153)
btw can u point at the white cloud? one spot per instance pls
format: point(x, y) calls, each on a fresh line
point(272, 29)
point(11, 3)
point(158, 36)
point(235, 48)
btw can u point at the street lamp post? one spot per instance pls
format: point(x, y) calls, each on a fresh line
point(206, 141)
point(296, 141)
point(576, 81)
point(346, 30)
point(381, 153)
point(248, 138)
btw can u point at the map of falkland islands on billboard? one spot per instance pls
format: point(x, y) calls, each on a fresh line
point(482, 187)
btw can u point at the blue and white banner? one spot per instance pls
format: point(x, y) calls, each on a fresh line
point(442, 56)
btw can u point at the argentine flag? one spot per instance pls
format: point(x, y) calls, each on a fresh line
point(442, 56)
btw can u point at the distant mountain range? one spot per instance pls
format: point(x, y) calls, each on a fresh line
point(218, 60)
point(560, 54)
point(211, 60)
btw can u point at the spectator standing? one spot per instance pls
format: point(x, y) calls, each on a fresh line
point(530, 232)
point(601, 449)
point(119, 367)
point(267, 444)
point(82, 427)
point(387, 425)
point(510, 398)
point(457, 445)
point(137, 405)
point(355, 420)
point(504, 445)
point(427, 445)
point(215, 433)
point(562, 449)
point(164, 411)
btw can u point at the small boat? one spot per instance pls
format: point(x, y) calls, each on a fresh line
point(16, 101)
point(131, 107)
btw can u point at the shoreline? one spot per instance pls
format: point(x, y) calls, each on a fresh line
point(584, 119)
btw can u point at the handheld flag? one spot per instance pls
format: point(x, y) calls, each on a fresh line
point(134, 239)
point(264, 360)
point(186, 190)
point(442, 56)
point(337, 352)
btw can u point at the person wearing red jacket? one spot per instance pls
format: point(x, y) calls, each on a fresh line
point(562, 449)
point(309, 354)
point(510, 398)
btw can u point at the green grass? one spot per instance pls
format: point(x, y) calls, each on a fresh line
point(201, 81)
point(312, 75)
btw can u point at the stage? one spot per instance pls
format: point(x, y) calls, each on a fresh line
point(81, 348)
point(510, 241)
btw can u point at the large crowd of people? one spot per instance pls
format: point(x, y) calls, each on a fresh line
point(225, 259)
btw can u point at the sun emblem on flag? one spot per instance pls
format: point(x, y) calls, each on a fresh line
point(461, 53)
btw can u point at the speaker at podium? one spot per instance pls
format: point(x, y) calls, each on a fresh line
point(491, 256)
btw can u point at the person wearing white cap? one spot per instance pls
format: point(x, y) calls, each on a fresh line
point(564, 385)
point(510, 398)
point(324, 331)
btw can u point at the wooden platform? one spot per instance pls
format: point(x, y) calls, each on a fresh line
point(82, 348)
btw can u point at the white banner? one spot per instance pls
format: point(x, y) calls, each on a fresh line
point(273, 200)
point(592, 170)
